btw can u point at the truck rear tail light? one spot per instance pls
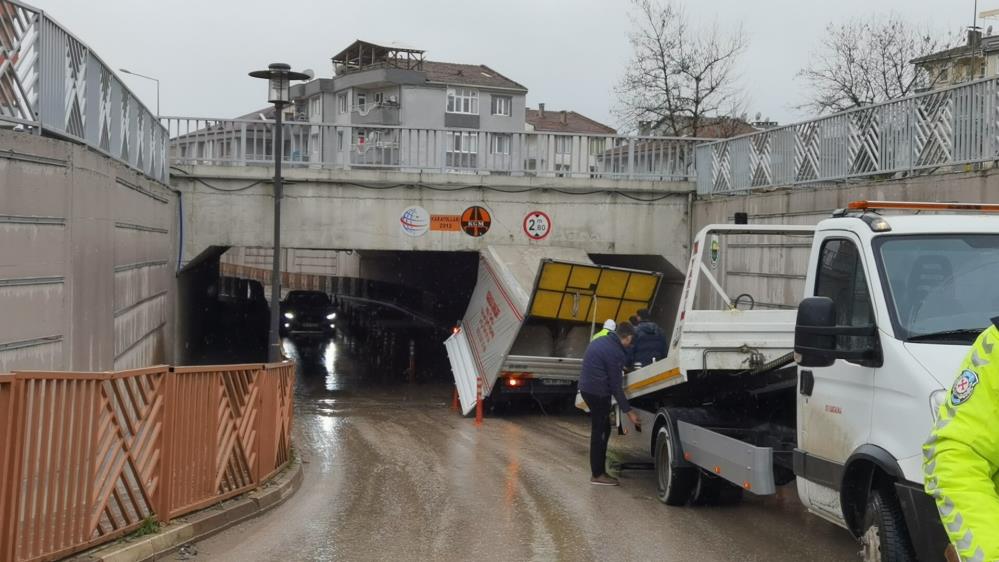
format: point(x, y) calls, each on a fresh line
point(514, 382)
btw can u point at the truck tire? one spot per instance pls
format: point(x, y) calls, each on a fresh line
point(713, 490)
point(675, 484)
point(884, 537)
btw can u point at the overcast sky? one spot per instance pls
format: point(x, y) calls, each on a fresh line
point(568, 53)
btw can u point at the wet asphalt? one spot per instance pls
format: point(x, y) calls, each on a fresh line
point(391, 473)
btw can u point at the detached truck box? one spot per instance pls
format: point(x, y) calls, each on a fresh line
point(530, 319)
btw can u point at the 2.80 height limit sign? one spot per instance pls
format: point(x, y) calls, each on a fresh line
point(537, 225)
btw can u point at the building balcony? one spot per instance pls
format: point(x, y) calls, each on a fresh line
point(375, 114)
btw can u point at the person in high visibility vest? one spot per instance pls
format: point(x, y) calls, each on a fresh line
point(961, 457)
point(609, 326)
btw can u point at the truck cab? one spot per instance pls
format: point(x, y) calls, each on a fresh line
point(828, 368)
point(893, 303)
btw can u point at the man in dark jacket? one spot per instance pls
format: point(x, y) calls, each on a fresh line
point(603, 370)
point(650, 342)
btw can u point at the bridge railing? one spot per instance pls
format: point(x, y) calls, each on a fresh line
point(241, 142)
point(52, 83)
point(937, 129)
point(88, 457)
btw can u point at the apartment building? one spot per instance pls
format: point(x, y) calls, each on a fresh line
point(389, 98)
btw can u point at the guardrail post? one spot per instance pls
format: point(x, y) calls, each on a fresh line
point(631, 158)
point(242, 144)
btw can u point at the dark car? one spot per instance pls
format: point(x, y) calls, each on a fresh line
point(308, 315)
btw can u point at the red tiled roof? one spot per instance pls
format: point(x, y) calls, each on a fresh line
point(574, 123)
point(470, 74)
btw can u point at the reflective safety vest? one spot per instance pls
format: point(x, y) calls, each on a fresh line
point(961, 457)
point(600, 334)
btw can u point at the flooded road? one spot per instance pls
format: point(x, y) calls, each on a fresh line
point(391, 473)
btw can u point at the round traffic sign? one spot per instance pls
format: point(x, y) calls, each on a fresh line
point(475, 221)
point(537, 225)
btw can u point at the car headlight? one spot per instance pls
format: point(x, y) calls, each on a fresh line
point(289, 315)
point(333, 326)
point(331, 316)
point(937, 399)
point(287, 325)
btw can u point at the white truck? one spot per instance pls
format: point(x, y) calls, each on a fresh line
point(840, 393)
point(530, 318)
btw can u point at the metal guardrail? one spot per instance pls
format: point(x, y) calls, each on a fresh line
point(953, 126)
point(88, 457)
point(52, 83)
point(235, 142)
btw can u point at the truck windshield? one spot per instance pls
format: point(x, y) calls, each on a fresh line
point(940, 288)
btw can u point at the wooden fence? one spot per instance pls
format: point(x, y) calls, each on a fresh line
point(88, 457)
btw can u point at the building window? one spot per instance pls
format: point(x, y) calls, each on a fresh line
point(597, 145)
point(499, 144)
point(343, 103)
point(462, 149)
point(462, 142)
point(463, 100)
point(378, 97)
point(362, 100)
point(339, 140)
point(315, 109)
point(502, 105)
point(563, 145)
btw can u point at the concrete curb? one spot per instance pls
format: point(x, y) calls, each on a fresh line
point(201, 524)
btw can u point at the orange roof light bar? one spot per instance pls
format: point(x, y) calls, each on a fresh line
point(922, 206)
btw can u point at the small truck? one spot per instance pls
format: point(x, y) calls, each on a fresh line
point(838, 391)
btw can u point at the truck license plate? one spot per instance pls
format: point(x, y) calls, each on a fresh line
point(556, 382)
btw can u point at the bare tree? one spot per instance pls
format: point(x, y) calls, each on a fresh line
point(678, 76)
point(866, 61)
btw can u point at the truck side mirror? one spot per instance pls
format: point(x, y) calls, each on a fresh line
point(814, 343)
point(816, 337)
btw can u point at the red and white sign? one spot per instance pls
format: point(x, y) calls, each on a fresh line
point(537, 225)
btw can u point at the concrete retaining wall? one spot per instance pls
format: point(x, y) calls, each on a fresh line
point(87, 259)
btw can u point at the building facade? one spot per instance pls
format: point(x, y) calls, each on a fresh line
point(387, 100)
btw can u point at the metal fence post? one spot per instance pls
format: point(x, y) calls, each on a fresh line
point(161, 502)
point(12, 437)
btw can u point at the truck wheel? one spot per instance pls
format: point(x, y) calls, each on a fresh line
point(712, 490)
point(675, 484)
point(885, 538)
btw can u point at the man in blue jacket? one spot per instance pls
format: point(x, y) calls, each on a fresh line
point(600, 379)
point(650, 342)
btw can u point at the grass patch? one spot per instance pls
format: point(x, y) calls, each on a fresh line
point(150, 526)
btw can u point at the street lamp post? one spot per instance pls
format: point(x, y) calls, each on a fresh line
point(278, 76)
point(147, 78)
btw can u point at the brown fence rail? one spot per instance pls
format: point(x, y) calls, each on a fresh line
point(88, 457)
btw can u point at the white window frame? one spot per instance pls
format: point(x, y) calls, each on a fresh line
point(362, 100)
point(462, 100)
point(563, 144)
point(344, 107)
point(503, 105)
point(499, 143)
point(463, 142)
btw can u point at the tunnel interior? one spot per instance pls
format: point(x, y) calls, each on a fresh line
point(386, 312)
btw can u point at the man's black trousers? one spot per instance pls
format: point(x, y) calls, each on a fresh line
point(600, 429)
